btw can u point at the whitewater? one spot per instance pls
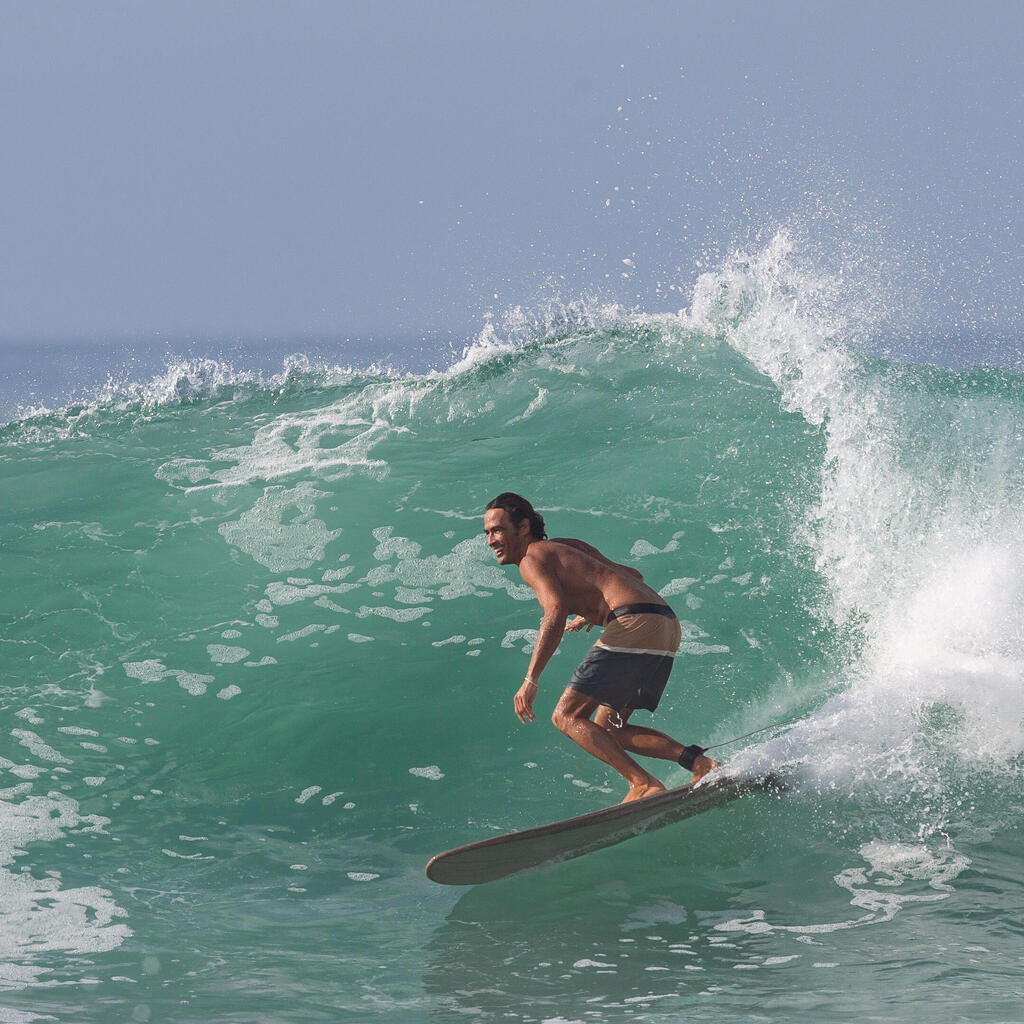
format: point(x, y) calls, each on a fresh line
point(258, 666)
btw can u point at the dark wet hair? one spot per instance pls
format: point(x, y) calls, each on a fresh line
point(519, 509)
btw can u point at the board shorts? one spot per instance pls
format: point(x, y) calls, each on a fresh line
point(629, 664)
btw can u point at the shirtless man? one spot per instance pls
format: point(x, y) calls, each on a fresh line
point(626, 668)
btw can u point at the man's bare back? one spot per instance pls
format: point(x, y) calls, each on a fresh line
point(592, 585)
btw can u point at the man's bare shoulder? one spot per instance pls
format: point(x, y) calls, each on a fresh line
point(578, 545)
point(551, 557)
point(545, 565)
point(541, 552)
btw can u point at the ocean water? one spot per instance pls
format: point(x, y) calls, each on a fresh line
point(258, 666)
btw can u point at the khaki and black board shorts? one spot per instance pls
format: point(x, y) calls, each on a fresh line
point(629, 664)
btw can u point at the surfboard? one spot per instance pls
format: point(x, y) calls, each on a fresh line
point(489, 859)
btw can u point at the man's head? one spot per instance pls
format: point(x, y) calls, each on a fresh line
point(511, 524)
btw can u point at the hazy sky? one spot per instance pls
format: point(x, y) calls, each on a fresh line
point(222, 169)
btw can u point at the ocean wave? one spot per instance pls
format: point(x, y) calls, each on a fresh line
point(231, 591)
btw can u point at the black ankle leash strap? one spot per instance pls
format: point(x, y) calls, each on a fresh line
point(689, 755)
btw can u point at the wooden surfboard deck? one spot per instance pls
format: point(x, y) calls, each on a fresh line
point(489, 859)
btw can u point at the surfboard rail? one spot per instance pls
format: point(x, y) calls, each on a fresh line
point(487, 860)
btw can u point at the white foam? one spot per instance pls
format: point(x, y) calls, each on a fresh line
point(699, 650)
point(299, 634)
point(678, 586)
point(187, 856)
point(895, 877)
point(38, 747)
point(458, 638)
point(468, 570)
point(192, 682)
point(536, 403)
point(513, 636)
point(149, 671)
point(329, 443)
point(37, 915)
point(281, 530)
point(643, 548)
point(21, 771)
point(395, 614)
point(223, 654)
point(287, 593)
point(152, 671)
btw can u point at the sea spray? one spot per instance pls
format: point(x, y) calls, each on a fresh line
point(916, 532)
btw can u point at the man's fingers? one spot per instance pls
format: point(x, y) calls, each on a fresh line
point(523, 711)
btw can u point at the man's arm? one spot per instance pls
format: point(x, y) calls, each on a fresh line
point(538, 572)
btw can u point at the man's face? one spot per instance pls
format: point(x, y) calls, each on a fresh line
point(509, 543)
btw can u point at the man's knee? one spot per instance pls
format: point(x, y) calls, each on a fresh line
point(561, 719)
point(572, 707)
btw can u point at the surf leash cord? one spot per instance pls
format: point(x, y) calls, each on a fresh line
point(690, 753)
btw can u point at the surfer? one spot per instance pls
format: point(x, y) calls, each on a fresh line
point(627, 668)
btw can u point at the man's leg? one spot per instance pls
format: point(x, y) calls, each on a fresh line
point(572, 716)
point(635, 738)
point(649, 742)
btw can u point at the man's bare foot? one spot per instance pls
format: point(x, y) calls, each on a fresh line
point(647, 789)
point(701, 766)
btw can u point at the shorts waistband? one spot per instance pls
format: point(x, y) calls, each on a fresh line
point(640, 609)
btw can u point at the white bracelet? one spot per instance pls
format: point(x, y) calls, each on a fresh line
point(530, 681)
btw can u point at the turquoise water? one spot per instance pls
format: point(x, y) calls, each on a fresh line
point(258, 667)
